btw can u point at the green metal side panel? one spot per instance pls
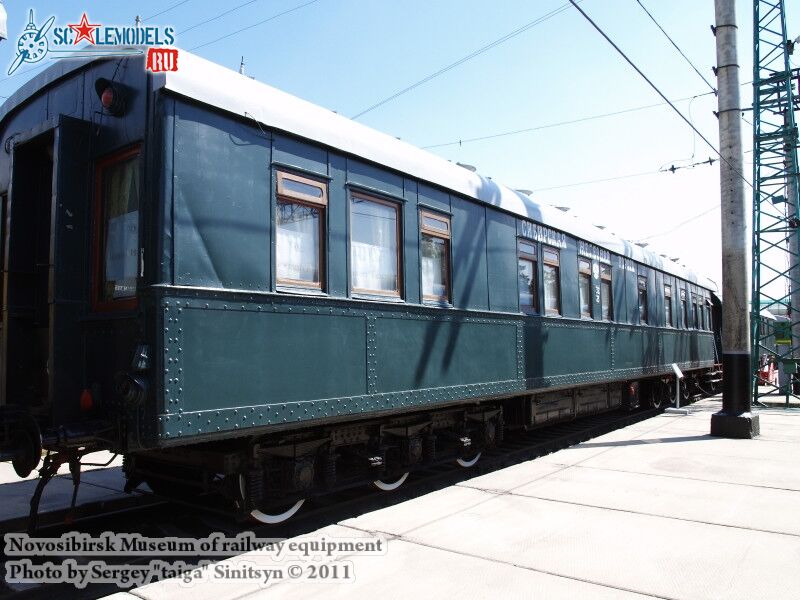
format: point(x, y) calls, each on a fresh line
point(411, 275)
point(671, 347)
point(568, 261)
point(470, 288)
point(373, 177)
point(636, 347)
point(551, 346)
point(433, 198)
point(412, 354)
point(502, 258)
point(294, 153)
point(338, 258)
point(232, 364)
point(221, 193)
point(247, 358)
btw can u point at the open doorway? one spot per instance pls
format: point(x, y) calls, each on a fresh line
point(27, 313)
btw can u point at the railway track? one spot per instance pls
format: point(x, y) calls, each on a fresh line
point(152, 516)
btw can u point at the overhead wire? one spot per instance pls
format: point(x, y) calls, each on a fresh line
point(166, 10)
point(251, 26)
point(679, 225)
point(219, 16)
point(465, 58)
point(659, 92)
point(671, 41)
point(591, 181)
point(462, 141)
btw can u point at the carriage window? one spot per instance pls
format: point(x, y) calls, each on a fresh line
point(642, 285)
point(552, 282)
point(300, 227)
point(684, 310)
point(585, 287)
point(709, 325)
point(668, 304)
point(528, 277)
point(117, 238)
point(606, 297)
point(435, 250)
point(695, 312)
point(374, 248)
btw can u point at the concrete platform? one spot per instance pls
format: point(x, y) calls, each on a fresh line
point(773, 399)
point(98, 484)
point(656, 510)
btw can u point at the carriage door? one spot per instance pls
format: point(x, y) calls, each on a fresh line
point(47, 241)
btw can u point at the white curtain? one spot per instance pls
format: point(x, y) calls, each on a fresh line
point(373, 246)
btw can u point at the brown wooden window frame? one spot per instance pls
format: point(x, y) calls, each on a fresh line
point(398, 292)
point(533, 259)
point(606, 279)
point(668, 304)
point(553, 263)
point(128, 303)
point(445, 235)
point(289, 196)
point(585, 275)
point(641, 294)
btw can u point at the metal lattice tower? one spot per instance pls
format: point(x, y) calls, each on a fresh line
point(776, 212)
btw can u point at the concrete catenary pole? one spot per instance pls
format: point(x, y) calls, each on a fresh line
point(735, 419)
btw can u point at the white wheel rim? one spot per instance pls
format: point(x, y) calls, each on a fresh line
point(263, 517)
point(389, 486)
point(268, 519)
point(469, 462)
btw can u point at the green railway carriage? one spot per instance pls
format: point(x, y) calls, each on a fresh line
point(247, 293)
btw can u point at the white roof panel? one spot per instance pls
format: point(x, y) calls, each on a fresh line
point(227, 90)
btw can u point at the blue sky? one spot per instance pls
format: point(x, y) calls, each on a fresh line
point(347, 55)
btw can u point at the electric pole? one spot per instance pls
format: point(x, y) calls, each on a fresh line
point(735, 419)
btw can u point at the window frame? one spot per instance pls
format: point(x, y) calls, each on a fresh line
point(129, 303)
point(668, 304)
point(606, 275)
point(533, 259)
point(585, 273)
point(443, 235)
point(695, 312)
point(282, 195)
point(644, 313)
point(398, 292)
point(557, 312)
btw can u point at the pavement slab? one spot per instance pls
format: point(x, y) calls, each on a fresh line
point(659, 509)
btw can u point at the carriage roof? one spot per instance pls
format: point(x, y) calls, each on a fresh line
point(227, 90)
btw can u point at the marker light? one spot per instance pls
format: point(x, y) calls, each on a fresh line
point(86, 400)
point(107, 98)
point(112, 96)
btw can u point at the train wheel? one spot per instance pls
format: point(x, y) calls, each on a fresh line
point(389, 486)
point(271, 518)
point(468, 462)
point(686, 392)
point(652, 396)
